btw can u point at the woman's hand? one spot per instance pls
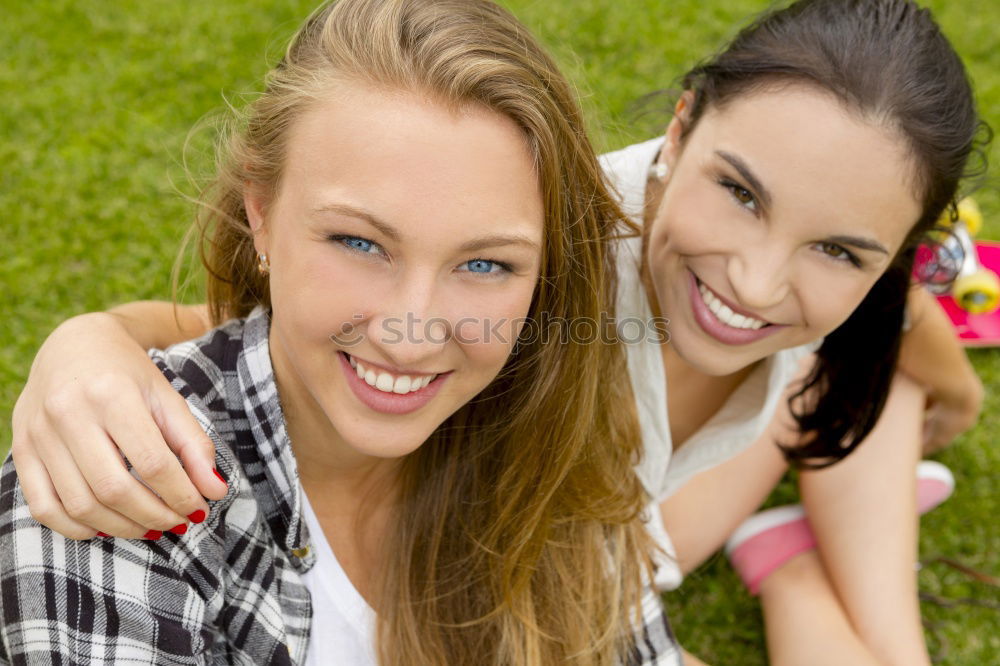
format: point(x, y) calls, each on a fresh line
point(92, 397)
point(931, 355)
point(949, 416)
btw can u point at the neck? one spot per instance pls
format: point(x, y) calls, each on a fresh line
point(327, 465)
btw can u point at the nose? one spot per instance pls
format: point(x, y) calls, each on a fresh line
point(759, 275)
point(407, 328)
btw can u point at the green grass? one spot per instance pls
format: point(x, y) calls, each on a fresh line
point(100, 96)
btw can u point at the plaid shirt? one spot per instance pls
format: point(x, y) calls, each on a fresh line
point(229, 591)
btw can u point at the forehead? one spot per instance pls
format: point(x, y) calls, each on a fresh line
point(414, 161)
point(820, 161)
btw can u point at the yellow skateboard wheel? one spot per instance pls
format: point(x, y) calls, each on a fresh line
point(977, 293)
point(968, 212)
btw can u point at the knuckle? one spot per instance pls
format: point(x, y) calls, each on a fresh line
point(151, 465)
point(110, 490)
point(58, 404)
point(103, 387)
point(44, 512)
point(80, 507)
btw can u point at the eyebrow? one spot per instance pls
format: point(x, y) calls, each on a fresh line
point(737, 163)
point(754, 182)
point(361, 214)
point(476, 244)
point(860, 243)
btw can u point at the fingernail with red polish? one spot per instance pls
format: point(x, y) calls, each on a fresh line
point(219, 476)
point(102, 534)
point(152, 535)
point(179, 529)
point(197, 517)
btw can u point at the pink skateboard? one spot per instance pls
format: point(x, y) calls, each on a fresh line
point(976, 330)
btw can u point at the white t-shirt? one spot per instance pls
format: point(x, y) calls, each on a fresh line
point(343, 624)
point(739, 422)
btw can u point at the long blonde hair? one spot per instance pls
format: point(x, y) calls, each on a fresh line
point(517, 538)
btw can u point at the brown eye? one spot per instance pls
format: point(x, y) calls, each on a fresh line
point(743, 196)
point(834, 251)
point(838, 253)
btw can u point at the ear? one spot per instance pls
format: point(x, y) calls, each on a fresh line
point(682, 116)
point(253, 203)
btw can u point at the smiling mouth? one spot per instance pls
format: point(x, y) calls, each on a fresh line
point(725, 314)
point(388, 382)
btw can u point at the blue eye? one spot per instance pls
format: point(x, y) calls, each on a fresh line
point(480, 266)
point(359, 244)
point(362, 245)
point(485, 267)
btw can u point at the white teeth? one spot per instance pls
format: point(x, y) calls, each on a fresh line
point(387, 383)
point(384, 382)
point(725, 314)
point(351, 360)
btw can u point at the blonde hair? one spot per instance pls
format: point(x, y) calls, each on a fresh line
point(517, 539)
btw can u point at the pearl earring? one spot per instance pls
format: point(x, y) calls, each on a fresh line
point(263, 265)
point(659, 171)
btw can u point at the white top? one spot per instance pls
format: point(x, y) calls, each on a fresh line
point(743, 417)
point(343, 624)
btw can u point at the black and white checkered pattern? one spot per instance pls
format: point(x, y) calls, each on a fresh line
point(228, 591)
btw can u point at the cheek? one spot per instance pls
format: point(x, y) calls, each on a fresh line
point(830, 300)
point(695, 219)
point(320, 293)
point(487, 323)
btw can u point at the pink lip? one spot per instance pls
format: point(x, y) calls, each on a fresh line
point(389, 403)
point(715, 328)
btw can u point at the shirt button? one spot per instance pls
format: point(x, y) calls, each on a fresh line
point(301, 553)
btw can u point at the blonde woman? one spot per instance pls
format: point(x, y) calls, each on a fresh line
point(780, 211)
point(435, 497)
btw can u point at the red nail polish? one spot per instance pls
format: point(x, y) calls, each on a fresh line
point(179, 529)
point(219, 476)
point(197, 517)
point(102, 534)
point(152, 535)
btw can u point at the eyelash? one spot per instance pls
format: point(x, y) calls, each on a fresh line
point(734, 188)
point(343, 239)
point(847, 255)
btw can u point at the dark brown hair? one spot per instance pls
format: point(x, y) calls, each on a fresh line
point(887, 61)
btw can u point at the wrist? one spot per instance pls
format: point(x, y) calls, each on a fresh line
point(964, 396)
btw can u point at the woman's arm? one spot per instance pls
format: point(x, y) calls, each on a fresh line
point(159, 324)
point(93, 395)
point(103, 601)
point(932, 356)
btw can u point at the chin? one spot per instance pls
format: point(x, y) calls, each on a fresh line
point(375, 443)
point(713, 359)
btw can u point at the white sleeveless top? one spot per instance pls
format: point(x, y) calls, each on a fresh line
point(343, 624)
point(739, 422)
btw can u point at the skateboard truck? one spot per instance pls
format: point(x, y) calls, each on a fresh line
point(953, 263)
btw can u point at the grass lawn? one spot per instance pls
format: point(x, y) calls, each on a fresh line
point(101, 97)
